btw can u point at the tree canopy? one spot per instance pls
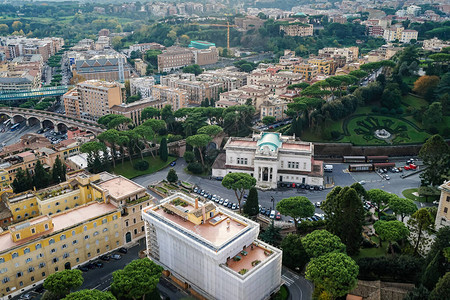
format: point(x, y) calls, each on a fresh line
point(335, 273)
point(391, 231)
point(402, 206)
point(137, 279)
point(90, 295)
point(436, 156)
point(320, 242)
point(239, 183)
point(62, 282)
point(294, 254)
point(297, 207)
point(420, 222)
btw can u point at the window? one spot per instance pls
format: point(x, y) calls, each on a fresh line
point(66, 255)
point(41, 265)
point(4, 270)
point(51, 241)
point(115, 217)
point(445, 210)
point(57, 203)
point(55, 260)
point(75, 251)
point(73, 232)
point(97, 242)
point(134, 221)
point(5, 280)
point(56, 269)
point(26, 250)
point(106, 238)
point(448, 198)
point(135, 231)
point(30, 269)
point(95, 224)
point(62, 237)
point(143, 229)
point(77, 260)
point(15, 254)
point(117, 234)
point(86, 236)
point(88, 246)
point(17, 209)
point(126, 223)
point(38, 246)
point(85, 228)
point(32, 278)
point(53, 250)
point(95, 233)
point(40, 255)
point(2, 260)
point(17, 235)
point(43, 274)
point(64, 246)
point(46, 226)
point(26, 215)
point(115, 226)
point(21, 283)
point(19, 274)
point(74, 242)
point(89, 254)
point(134, 210)
point(28, 260)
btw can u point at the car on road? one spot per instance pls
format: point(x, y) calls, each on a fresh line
point(172, 164)
point(25, 296)
point(116, 256)
point(195, 190)
point(123, 250)
point(387, 177)
point(278, 216)
point(98, 264)
point(83, 268)
point(230, 205)
point(263, 211)
point(317, 204)
point(272, 214)
point(105, 257)
point(221, 201)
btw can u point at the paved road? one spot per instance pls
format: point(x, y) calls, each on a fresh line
point(339, 175)
point(299, 287)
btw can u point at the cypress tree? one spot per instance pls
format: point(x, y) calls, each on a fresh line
point(41, 177)
point(172, 176)
point(163, 152)
point(251, 207)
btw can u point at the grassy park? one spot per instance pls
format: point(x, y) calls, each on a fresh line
point(155, 164)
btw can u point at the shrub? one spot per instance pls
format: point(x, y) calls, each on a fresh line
point(399, 111)
point(375, 109)
point(446, 132)
point(384, 111)
point(141, 165)
point(335, 134)
point(195, 168)
point(433, 130)
point(393, 111)
point(308, 226)
point(388, 218)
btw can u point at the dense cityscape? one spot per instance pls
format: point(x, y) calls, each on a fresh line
point(225, 149)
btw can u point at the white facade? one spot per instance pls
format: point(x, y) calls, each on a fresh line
point(443, 212)
point(202, 264)
point(271, 158)
point(142, 85)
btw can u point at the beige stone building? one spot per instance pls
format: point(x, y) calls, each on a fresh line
point(443, 213)
point(92, 99)
point(133, 110)
point(141, 66)
point(177, 98)
point(205, 56)
point(297, 29)
point(175, 58)
point(309, 71)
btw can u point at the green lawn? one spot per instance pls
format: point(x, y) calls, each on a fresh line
point(155, 164)
point(414, 101)
point(373, 252)
point(409, 194)
point(409, 80)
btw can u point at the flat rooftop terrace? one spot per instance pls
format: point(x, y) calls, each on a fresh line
point(61, 221)
point(120, 187)
point(248, 258)
point(225, 228)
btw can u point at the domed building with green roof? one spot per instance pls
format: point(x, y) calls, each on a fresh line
point(271, 158)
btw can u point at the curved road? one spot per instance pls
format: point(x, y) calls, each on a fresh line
point(299, 287)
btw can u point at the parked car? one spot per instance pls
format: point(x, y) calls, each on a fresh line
point(225, 203)
point(221, 201)
point(234, 206)
point(116, 256)
point(123, 250)
point(317, 204)
point(83, 268)
point(230, 205)
point(387, 177)
point(172, 164)
point(98, 264)
point(105, 257)
point(278, 216)
point(25, 296)
point(263, 211)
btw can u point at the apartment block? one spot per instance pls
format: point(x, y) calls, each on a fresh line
point(32, 250)
point(134, 110)
point(175, 58)
point(443, 213)
point(177, 98)
point(197, 90)
point(229, 78)
point(92, 99)
point(308, 71)
point(249, 22)
point(142, 85)
point(325, 66)
point(186, 238)
point(20, 45)
point(297, 29)
point(206, 56)
point(140, 66)
point(350, 53)
point(102, 67)
point(401, 34)
point(435, 44)
point(146, 46)
point(274, 107)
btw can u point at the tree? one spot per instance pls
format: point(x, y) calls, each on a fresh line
point(62, 282)
point(149, 113)
point(58, 171)
point(110, 136)
point(189, 156)
point(433, 116)
point(137, 279)
point(297, 207)
point(445, 102)
point(211, 130)
point(163, 152)
point(41, 178)
point(194, 69)
point(94, 151)
point(321, 242)
point(251, 206)
point(199, 141)
point(239, 183)
point(391, 97)
point(441, 242)
point(360, 190)
point(380, 198)
point(444, 85)
point(435, 154)
point(267, 120)
point(172, 176)
point(391, 231)
point(17, 25)
point(271, 235)
point(442, 289)
point(434, 270)
point(4, 29)
point(22, 181)
point(418, 293)
point(402, 206)
point(424, 84)
point(90, 295)
point(336, 273)
point(420, 222)
point(294, 254)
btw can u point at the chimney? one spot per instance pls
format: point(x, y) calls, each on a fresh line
point(204, 213)
point(196, 203)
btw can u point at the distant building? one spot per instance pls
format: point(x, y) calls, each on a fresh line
point(140, 66)
point(249, 23)
point(175, 58)
point(197, 90)
point(146, 46)
point(142, 85)
point(201, 45)
point(274, 107)
point(134, 110)
point(210, 250)
point(297, 29)
point(308, 71)
point(401, 34)
point(176, 97)
point(271, 159)
point(443, 212)
point(106, 68)
point(435, 44)
point(92, 99)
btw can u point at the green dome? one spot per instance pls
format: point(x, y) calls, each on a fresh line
point(271, 140)
point(299, 14)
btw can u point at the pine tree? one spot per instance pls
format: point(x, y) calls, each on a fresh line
point(21, 182)
point(41, 178)
point(163, 152)
point(58, 171)
point(251, 207)
point(172, 176)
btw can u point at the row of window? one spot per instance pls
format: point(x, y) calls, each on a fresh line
point(242, 161)
point(25, 207)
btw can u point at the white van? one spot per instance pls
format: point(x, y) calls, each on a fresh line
point(328, 168)
point(272, 214)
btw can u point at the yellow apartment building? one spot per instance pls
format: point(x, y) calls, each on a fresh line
point(33, 249)
point(443, 213)
point(308, 71)
point(324, 65)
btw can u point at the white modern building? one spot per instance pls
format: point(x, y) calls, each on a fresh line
point(211, 250)
point(271, 158)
